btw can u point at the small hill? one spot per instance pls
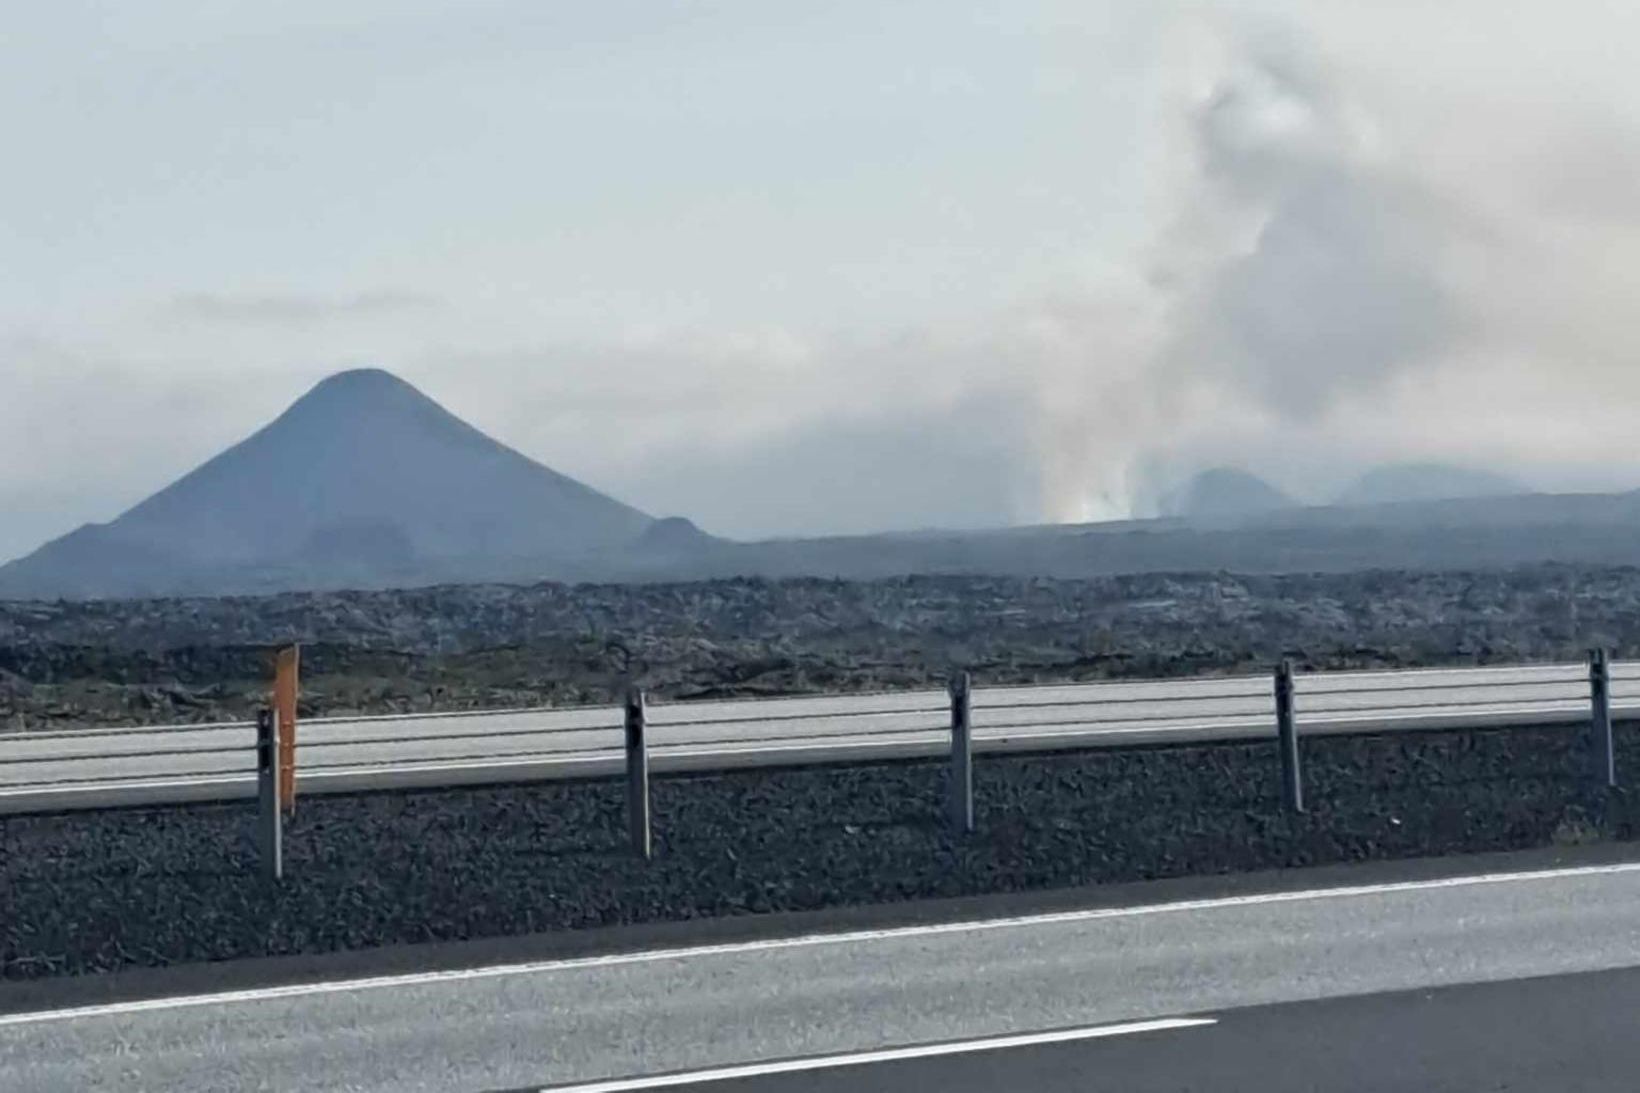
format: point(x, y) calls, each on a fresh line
point(1427, 482)
point(673, 535)
point(1225, 493)
point(363, 480)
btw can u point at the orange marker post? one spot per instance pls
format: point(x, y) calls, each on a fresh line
point(286, 675)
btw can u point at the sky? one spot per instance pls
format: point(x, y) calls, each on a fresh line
point(797, 269)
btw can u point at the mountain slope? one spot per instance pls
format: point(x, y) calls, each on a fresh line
point(362, 475)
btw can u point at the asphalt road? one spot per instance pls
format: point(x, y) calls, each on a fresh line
point(751, 1002)
point(176, 763)
point(1561, 1034)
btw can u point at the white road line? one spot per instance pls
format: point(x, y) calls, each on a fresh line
point(648, 956)
point(885, 1055)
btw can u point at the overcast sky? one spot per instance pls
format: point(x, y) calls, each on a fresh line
point(798, 268)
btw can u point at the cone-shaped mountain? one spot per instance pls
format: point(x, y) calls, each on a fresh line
point(363, 468)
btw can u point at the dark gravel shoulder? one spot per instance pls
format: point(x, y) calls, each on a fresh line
point(94, 892)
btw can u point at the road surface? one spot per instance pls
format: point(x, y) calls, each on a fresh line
point(626, 1017)
point(177, 763)
point(1561, 1033)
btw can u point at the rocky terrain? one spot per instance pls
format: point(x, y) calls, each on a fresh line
point(97, 891)
point(65, 664)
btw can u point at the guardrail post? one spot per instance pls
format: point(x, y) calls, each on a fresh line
point(637, 775)
point(1600, 702)
point(962, 754)
point(270, 817)
point(1292, 776)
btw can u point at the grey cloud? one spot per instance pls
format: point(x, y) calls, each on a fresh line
point(296, 309)
point(1340, 288)
point(1293, 272)
point(970, 466)
point(1338, 293)
point(1592, 175)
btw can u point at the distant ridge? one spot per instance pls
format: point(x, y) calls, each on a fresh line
point(1427, 482)
point(365, 482)
point(363, 479)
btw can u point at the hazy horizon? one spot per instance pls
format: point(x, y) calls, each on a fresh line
point(847, 270)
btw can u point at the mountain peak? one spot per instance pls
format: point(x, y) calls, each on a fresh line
point(363, 475)
point(362, 390)
point(367, 374)
point(358, 381)
point(1225, 492)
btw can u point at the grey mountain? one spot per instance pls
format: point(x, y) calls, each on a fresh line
point(1427, 482)
point(363, 480)
point(1225, 492)
point(366, 483)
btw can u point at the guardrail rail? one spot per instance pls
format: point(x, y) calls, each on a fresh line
point(94, 768)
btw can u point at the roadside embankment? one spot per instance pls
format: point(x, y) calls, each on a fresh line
point(98, 891)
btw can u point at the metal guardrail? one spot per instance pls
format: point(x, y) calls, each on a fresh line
point(103, 767)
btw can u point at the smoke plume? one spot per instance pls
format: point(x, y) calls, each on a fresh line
point(1294, 271)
